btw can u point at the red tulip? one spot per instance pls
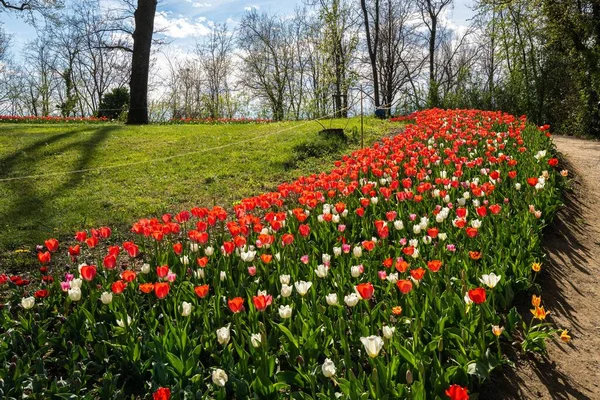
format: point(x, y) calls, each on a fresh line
point(201, 291)
point(162, 271)
point(261, 302)
point(88, 272)
point(51, 245)
point(118, 287)
point(109, 262)
point(404, 285)
point(434, 265)
point(304, 230)
point(477, 295)
point(368, 245)
point(178, 248)
point(202, 261)
point(365, 290)
point(162, 394)
point(236, 304)
point(105, 232)
point(44, 257)
point(40, 294)
point(456, 392)
point(471, 232)
point(114, 250)
point(74, 251)
point(287, 239)
point(161, 289)
point(417, 274)
point(81, 236)
point(92, 242)
point(128, 275)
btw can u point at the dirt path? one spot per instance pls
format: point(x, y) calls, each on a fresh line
point(570, 289)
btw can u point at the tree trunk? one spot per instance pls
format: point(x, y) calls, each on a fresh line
point(372, 46)
point(140, 64)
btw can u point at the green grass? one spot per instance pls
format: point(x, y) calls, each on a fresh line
point(255, 159)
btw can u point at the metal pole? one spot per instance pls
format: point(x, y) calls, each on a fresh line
point(362, 133)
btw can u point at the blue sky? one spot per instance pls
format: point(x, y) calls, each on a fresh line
point(184, 19)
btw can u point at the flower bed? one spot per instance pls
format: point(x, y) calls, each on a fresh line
point(32, 119)
point(219, 121)
point(391, 276)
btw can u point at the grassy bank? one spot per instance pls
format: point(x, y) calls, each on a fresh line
point(150, 176)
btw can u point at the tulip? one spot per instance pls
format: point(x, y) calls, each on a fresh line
point(332, 299)
point(456, 392)
point(328, 368)
point(202, 291)
point(219, 377)
point(351, 300)
point(209, 251)
point(106, 297)
point(161, 289)
point(145, 268)
point(256, 339)
point(490, 280)
point(302, 287)
point(121, 323)
point(28, 302)
point(477, 295)
point(388, 331)
point(497, 330)
point(565, 337)
point(286, 290)
point(236, 304)
point(222, 276)
point(74, 294)
point(261, 302)
point(223, 335)
point(357, 252)
point(252, 270)
point(321, 271)
point(162, 394)
point(186, 309)
point(365, 290)
point(373, 345)
point(536, 267)
point(284, 279)
point(285, 311)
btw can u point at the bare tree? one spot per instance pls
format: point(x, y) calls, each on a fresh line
point(267, 59)
point(430, 11)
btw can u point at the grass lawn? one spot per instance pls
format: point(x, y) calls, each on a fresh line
point(252, 159)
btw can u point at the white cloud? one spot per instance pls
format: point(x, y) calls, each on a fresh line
point(199, 5)
point(252, 7)
point(180, 27)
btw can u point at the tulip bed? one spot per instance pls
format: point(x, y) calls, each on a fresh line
point(219, 121)
point(391, 276)
point(32, 119)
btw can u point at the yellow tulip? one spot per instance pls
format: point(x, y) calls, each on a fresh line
point(565, 337)
point(536, 267)
point(540, 313)
point(536, 300)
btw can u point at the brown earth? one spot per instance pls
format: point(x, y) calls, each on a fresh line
point(570, 285)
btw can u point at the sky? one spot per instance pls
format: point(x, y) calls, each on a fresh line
point(184, 20)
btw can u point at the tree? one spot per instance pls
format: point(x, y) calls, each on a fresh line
point(372, 38)
point(29, 4)
point(140, 62)
point(430, 11)
point(267, 60)
point(114, 103)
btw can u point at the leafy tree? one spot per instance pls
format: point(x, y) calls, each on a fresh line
point(114, 103)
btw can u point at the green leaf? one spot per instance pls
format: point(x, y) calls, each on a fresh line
point(175, 362)
point(288, 334)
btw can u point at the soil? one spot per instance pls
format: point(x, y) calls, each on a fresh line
point(570, 284)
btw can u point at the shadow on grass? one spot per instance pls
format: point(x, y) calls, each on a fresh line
point(562, 245)
point(30, 209)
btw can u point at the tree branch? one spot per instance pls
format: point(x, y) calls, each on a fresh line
point(22, 7)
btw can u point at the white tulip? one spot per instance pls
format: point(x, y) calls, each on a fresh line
point(351, 300)
point(256, 339)
point(326, 258)
point(332, 299)
point(106, 297)
point(194, 247)
point(398, 225)
point(145, 268)
point(442, 236)
point(28, 302)
point(223, 335)
point(209, 250)
point(76, 283)
point(388, 331)
point(490, 280)
point(321, 271)
point(337, 251)
point(357, 251)
point(121, 323)
point(476, 223)
point(286, 290)
point(302, 287)
point(75, 294)
point(392, 278)
point(284, 279)
point(186, 309)
point(219, 377)
point(285, 311)
point(373, 345)
point(223, 276)
point(328, 368)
